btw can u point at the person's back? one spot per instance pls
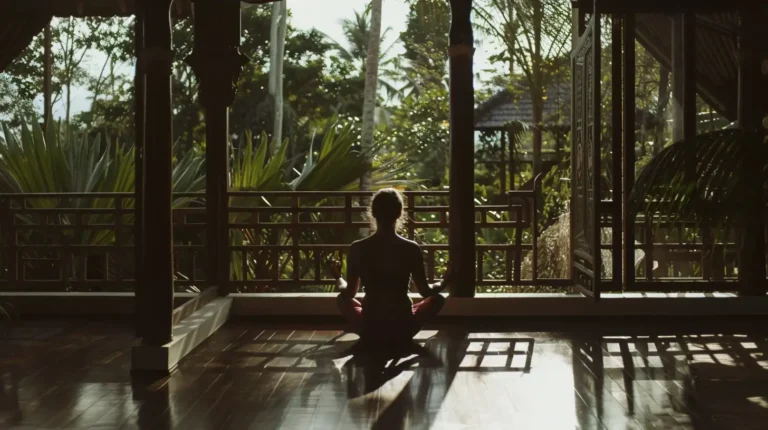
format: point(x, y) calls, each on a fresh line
point(384, 264)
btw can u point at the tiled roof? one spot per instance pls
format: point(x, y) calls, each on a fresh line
point(515, 105)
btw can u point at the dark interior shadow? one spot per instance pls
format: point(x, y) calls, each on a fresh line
point(370, 368)
point(152, 393)
point(419, 401)
point(10, 410)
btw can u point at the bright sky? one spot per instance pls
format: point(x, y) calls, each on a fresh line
point(307, 14)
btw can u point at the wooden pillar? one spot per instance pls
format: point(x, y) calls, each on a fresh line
point(628, 176)
point(752, 271)
point(616, 148)
point(462, 102)
point(140, 287)
point(217, 62)
point(677, 78)
point(157, 270)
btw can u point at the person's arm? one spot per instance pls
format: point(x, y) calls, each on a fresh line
point(419, 277)
point(351, 287)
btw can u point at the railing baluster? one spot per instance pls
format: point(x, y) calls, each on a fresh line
point(518, 244)
point(295, 238)
point(244, 264)
point(118, 226)
point(535, 235)
point(648, 249)
point(411, 217)
point(479, 264)
point(431, 264)
point(8, 218)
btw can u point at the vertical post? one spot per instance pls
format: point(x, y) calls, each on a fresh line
point(616, 148)
point(629, 148)
point(462, 102)
point(140, 287)
point(678, 73)
point(752, 271)
point(578, 24)
point(512, 153)
point(503, 165)
point(157, 268)
point(217, 62)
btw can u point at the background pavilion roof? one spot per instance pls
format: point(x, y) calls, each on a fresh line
point(515, 105)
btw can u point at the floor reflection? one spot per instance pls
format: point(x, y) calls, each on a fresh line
point(252, 376)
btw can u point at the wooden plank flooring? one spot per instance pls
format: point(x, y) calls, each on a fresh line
point(75, 374)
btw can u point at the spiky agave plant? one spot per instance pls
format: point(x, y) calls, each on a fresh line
point(60, 160)
point(717, 179)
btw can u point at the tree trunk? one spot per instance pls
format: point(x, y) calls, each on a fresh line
point(276, 59)
point(661, 110)
point(47, 75)
point(69, 99)
point(369, 93)
point(537, 88)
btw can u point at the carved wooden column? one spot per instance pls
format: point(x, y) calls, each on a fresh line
point(462, 105)
point(157, 270)
point(752, 252)
point(217, 62)
point(628, 177)
point(140, 287)
point(616, 147)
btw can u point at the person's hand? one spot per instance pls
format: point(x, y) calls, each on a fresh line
point(336, 269)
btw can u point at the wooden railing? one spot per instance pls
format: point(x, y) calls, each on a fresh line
point(289, 237)
point(282, 241)
point(85, 241)
point(680, 256)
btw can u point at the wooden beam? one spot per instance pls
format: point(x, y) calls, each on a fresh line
point(157, 267)
point(217, 62)
point(462, 101)
point(628, 177)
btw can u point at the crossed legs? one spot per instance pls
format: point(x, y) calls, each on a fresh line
point(422, 312)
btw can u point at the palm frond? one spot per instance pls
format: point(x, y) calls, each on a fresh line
point(706, 178)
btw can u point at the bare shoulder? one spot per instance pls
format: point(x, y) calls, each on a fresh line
point(411, 246)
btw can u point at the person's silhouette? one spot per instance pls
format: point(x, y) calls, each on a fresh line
point(384, 264)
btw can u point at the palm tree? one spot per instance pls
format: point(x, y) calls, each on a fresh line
point(278, 28)
point(357, 32)
point(369, 93)
point(722, 184)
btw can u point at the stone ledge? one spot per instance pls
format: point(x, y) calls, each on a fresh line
point(187, 335)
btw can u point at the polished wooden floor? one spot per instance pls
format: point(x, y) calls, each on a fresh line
point(75, 374)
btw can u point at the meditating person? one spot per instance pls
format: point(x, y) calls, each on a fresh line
point(384, 264)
